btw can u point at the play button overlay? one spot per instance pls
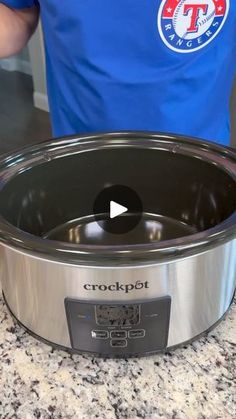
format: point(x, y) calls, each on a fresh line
point(117, 209)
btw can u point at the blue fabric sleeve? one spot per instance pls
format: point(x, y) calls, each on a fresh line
point(19, 4)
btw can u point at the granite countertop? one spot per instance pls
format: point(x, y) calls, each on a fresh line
point(197, 381)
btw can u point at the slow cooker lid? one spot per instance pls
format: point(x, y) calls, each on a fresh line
point(51, 183)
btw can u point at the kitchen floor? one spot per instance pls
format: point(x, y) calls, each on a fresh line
point(22, 124)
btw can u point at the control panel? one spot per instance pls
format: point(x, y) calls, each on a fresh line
point(118, 328)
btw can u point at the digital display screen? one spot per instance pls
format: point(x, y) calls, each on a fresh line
point(117, 315)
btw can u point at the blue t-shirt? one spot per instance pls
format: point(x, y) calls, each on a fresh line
point(162, 65)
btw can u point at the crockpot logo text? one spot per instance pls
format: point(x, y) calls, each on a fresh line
point(117, 287)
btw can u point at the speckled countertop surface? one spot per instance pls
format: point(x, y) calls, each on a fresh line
point(198, 381)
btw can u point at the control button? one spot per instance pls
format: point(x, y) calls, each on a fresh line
point(99, 334)
point(117, 209)
point(138, 333)
point(118, 343)
point(118, 334)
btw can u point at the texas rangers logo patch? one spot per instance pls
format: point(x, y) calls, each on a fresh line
point(189, 25)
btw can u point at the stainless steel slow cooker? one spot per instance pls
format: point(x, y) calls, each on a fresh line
point(73, 283)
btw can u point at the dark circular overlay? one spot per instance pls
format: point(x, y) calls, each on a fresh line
point(122, 195)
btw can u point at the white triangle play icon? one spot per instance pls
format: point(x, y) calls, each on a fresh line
point(116, 209)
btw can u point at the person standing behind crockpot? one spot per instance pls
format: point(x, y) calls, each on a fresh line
point(161, 65)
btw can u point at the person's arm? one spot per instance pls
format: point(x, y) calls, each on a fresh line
point(16, 27)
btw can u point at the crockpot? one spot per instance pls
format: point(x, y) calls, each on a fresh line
point(75, 285)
